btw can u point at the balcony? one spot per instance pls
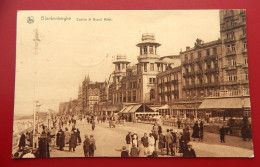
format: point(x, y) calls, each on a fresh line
point(231, 52)
point(199, 72)
point(227, 40)
point(191, 73)
point(243, 36)
point(245, 82)
point(244, 65)
point(175, 91)
point(212, 84)
point(230, 83)
point(244, 50)
point(174, 81)
point(230, 67)
point(199, 85)
point(214, 70)
point(186, 74)
point(198, 60)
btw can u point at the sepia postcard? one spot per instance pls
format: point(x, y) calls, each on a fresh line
point(132, 83)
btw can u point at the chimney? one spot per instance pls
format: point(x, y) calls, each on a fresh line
point(187, 47)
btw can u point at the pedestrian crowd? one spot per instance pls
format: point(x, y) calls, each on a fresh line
point(156, 142)
point(63, 134)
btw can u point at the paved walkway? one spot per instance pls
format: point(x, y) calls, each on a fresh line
point(109, 142)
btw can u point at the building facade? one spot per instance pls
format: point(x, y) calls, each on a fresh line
point(200, 69)
point(234, 74)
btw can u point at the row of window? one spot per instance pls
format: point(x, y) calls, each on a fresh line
point(152, 50)
point(207, 52)
point(232, 78)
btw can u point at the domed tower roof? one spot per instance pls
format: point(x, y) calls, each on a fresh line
point(121, 59)
point(148, 38)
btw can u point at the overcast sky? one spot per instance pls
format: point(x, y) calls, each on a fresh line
point(69, 50)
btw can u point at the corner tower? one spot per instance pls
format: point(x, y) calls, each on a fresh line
point(148, 66)
point(120, 68)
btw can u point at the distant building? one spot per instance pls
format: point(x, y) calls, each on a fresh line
point(91, 94)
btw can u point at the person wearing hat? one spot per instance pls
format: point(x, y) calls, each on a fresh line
point(195, 133)
point(93, 124)
point(62, 140)
point(128, 140)
point(144, 140)
point(86, 146)
point(134, 151)
point(73, 141)
point(124, 152)
point(135, 138)
point(22, 141)
point(169, 142)
point(189, 152)
point(161, 144)
point(92, 146)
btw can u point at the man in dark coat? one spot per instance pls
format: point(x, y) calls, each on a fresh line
point(86, 146)
point(44, 151)
point(22, 141)
point(58, 139)
point(159, 129)
point(169, 142)
point(62, 140)
point(195, 133)
point(173, 141)
point(144, 141)
point(189, 152)
point(222, 134)
point(93, 124)
point(73, 141)
point(92, 146)
point(128, 140)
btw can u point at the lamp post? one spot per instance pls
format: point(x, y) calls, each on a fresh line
point(35, 111)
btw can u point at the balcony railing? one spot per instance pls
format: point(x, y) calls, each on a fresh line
point(244, 50)
point(244, 65)
point(229, 40)
point(175, 81)
point(230, 67)
point(212, 84)
point(231, 52)
point(243, 36)
point(199, 72)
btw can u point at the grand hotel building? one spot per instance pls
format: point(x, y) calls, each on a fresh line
point(210, 78)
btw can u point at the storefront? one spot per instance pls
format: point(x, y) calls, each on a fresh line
point(132, 111)
point(235, 107)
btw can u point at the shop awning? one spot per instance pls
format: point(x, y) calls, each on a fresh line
point(127, 109)
point(225, 103)
point(134, 108)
